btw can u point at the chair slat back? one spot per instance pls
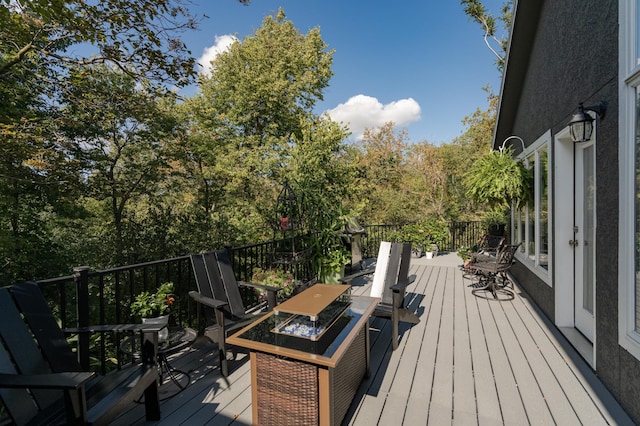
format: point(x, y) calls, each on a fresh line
point(205, 283)
point(201, 275)
point(379, 275)
point(405, 262)
point(44, 326)
point(215, 278)
point(231, 287)
point(391, 275)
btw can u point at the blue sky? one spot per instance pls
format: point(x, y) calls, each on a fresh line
point(419, 63)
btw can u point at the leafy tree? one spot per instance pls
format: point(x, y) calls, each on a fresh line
point(320, 172)
point(137, 37)
point(496, 44)
point(459, 155)
point(38, 182)
point(40, 173)
point(384, 172)
point(427, 181)
point(265, 84)
point(118, 127)
point(251, 112)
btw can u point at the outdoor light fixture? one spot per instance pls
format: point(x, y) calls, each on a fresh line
point(509, 138)
point(581, 124)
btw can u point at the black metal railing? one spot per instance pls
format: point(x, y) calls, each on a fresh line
point(461, 234)
point(465, 234)
point(90, 297)
point(104, 297)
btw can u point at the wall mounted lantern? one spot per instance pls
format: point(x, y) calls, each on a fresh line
point(581, 124)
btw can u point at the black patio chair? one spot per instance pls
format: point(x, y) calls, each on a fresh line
point(492, 274)
point(219, 297)
point(488, 247)
point(41, 380)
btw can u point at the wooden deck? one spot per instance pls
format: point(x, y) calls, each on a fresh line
point(469, 361)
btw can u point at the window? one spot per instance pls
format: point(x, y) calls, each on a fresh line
point(531, 222)
point(629, 157)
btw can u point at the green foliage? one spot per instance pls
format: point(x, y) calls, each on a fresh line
point(329, 254)
point(98, 168)
point(424, 234)
point(383, 168)
point(117, 124)
point(276, 278)
point(498, 180)
point(266, 83)
point(497, 216)
point(411, 233)
point(150, 305)
point(137, 37)
point(466, 252)
point(253, 128)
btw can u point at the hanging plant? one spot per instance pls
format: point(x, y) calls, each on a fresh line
point(498, 180)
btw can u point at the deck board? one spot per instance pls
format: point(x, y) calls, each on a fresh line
point(464, 397)
point(469, 361)
point(441, 404)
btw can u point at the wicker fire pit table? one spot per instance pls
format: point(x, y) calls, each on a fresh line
point(308, 356)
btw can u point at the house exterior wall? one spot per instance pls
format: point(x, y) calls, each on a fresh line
point(573, 58)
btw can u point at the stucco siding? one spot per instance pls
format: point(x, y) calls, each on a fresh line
point(573, 58)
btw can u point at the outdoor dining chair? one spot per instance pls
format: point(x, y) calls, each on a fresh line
point(492, 274)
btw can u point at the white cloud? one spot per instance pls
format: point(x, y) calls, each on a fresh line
point(222, 43)
point(362, 111)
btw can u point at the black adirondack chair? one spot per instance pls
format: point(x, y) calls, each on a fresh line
point(219, 297)
point(394, 290)
point(41, 381)
point(390, 281)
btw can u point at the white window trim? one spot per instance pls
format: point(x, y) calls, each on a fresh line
point(534, 265)
point(629, 79)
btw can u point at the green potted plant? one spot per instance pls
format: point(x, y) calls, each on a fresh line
point(466, 254)
point(154, 308)
point(332, 265)
point(329, 255)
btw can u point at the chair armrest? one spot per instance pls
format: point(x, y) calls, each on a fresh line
point(45, 381)
point(207, 301)
point(402, 285)
point(117, 328)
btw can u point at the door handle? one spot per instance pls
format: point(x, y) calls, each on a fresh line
point(573, 243)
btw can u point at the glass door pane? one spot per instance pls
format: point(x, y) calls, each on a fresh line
point(588, 209)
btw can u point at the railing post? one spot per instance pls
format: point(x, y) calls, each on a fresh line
point(452, 235)
point(81, 278)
